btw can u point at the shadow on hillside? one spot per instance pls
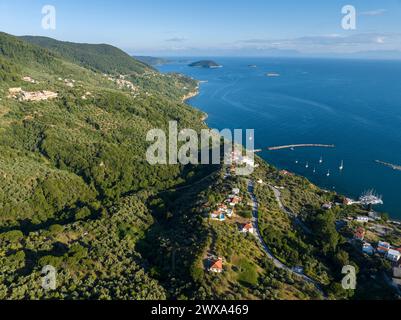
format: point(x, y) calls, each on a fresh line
point(175, 240)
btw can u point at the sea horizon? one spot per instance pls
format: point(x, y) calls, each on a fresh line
point(237, 96)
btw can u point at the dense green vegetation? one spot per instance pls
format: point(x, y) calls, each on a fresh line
point(70, 153)
point(99, 57)
point(152, 61)
point(308, 236)
point(77, 193)
point(73, 168)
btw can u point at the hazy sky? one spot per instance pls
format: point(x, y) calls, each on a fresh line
point(167, 27)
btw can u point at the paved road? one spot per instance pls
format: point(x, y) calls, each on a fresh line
point(292, 215)
point(255, 222)
point(268, 252)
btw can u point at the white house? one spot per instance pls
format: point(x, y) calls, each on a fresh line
point(236, 191)
point(393, 255)
point(235, 200)
point(327, 206)
point(248, 228)
point(362, 219)
point(348, 202)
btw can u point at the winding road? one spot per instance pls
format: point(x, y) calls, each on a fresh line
point(291, 215)
point(270, 255)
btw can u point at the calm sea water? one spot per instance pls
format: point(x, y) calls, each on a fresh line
point(353, 104)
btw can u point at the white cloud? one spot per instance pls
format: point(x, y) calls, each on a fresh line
point(329, 42)
point(377, 12)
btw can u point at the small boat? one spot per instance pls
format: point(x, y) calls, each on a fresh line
point(321, 160)
point(314, 170)
point(296, 161)
point(273, 74)
point(307, 165)
point(328, 173)
point(342, 165)
point(292, 149)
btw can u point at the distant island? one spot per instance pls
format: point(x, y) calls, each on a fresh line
point(205, 64)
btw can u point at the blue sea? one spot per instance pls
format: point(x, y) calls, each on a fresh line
point(353, 104)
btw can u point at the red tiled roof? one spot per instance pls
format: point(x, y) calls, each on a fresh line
point(248, 226)
point(218, 264)
point(382, 248)
point(285, 173)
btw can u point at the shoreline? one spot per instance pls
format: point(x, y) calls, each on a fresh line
point(204, 117)
point(190, 95)
point(392, 218)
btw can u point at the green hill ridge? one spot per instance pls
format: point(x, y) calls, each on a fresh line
point(100, 57)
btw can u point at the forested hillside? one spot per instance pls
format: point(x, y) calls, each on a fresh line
point(77, 193)
point(73, 165)
point(100, 57)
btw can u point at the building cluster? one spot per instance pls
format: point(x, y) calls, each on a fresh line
point(385, 249)
point(345, 202)
point(125, 84)
point(122, 83)
point(227, 208)
point(237, 159)
point(21, 95)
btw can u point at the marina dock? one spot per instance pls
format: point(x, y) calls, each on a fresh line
point(305, 145)
point(390, 165)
